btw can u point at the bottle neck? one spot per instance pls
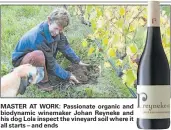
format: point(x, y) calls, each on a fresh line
point(153, 14)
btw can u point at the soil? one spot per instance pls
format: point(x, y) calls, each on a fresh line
point(85, 74)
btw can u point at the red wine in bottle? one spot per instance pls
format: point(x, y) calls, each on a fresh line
point(153, 77)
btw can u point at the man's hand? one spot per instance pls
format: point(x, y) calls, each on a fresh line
point(83, 64)
point(73, 79)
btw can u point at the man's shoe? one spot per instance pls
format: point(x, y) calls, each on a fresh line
point(45, 86)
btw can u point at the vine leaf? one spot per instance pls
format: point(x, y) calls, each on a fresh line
point(129, 77)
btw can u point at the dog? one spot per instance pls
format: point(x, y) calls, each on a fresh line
point(11, 83)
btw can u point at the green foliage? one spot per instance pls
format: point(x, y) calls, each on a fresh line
point(166, 10)
point(4, 69)
point(120, 27)
point(89, 92)
point(129, 77)
point(117, 30)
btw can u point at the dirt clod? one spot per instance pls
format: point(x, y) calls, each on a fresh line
point(85, 74)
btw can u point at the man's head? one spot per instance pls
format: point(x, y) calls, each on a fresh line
point(57, 21)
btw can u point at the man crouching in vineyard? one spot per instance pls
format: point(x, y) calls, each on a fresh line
point(40, 45)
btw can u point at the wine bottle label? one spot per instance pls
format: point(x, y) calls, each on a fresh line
point(153, 14)
point(153, 101)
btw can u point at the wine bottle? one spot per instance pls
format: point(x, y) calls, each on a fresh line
point(153, 77)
